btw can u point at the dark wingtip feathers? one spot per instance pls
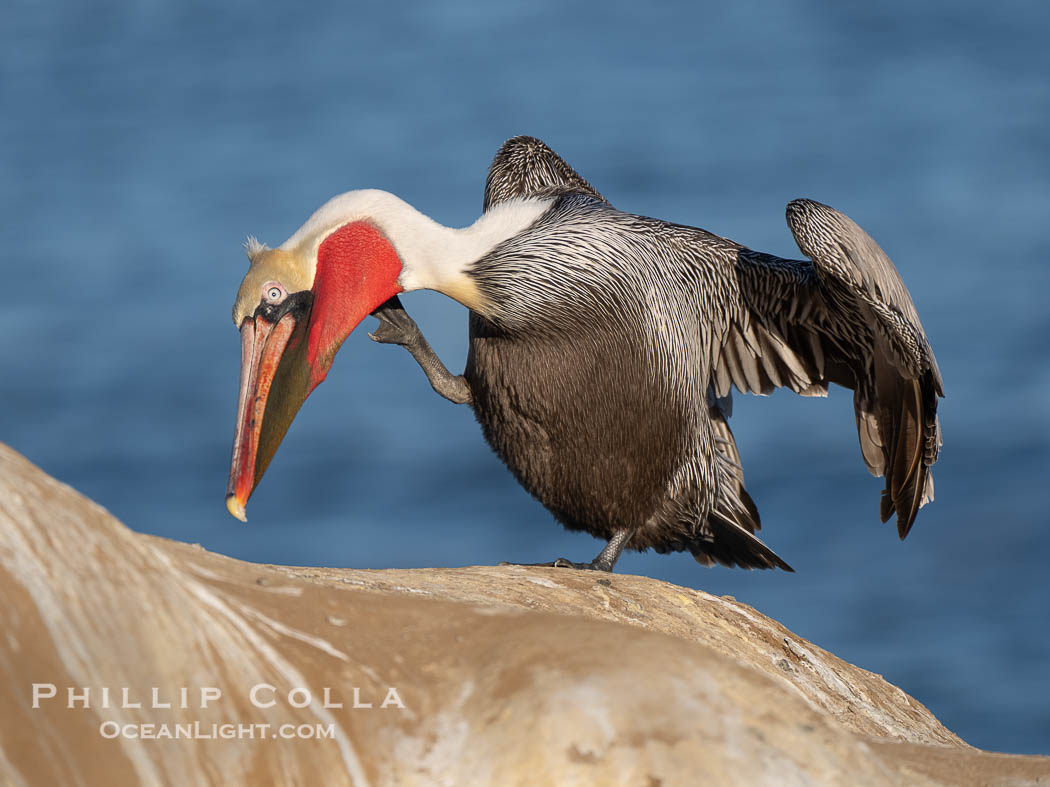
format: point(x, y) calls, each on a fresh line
point(897, 411)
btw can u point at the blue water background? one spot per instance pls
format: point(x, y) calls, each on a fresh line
point(140, 142)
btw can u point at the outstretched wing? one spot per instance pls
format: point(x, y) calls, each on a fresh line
point(846, 317)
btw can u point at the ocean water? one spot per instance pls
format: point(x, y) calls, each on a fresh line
point(141, 142)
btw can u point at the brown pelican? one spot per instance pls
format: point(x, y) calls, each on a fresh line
point(603, 347)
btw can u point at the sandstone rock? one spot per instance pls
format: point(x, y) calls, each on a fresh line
point(489, 675)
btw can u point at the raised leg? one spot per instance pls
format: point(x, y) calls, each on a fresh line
point(605, 560)
point(396, 327)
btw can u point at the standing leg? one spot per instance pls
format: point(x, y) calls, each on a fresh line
point(611, 553)
point(605, 560)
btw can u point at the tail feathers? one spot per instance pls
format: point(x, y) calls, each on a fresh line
point(752, 510)
point(731, 545)
point(727, 537)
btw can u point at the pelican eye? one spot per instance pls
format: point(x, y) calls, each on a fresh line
point(273, 293)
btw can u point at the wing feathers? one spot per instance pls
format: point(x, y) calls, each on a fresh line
point(526, 166)
point(904, 481)
point(871, 447)
point(769, 357)
point(869, 318)
point(845, 317)
point(764, 361)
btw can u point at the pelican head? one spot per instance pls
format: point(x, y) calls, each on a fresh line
point(295, 307)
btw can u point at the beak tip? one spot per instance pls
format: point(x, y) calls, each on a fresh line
point(236, 508)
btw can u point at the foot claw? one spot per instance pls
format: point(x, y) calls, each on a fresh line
point(395, 326)
point(387, 334)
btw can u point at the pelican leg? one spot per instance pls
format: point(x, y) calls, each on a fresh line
point(605, 560)
point(396, 327)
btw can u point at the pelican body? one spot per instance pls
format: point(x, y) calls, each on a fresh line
point(603, 348)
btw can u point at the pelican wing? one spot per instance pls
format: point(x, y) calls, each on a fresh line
point(843, 317)
point(525, 167)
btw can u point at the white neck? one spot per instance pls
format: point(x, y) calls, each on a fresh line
point(433, 256)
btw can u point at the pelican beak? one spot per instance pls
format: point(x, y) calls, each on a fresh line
point(275, 381)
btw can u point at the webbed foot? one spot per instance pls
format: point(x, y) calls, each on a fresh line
point(605, 560)
point(395, 326)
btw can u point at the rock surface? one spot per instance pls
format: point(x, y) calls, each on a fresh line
point(489, 675)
